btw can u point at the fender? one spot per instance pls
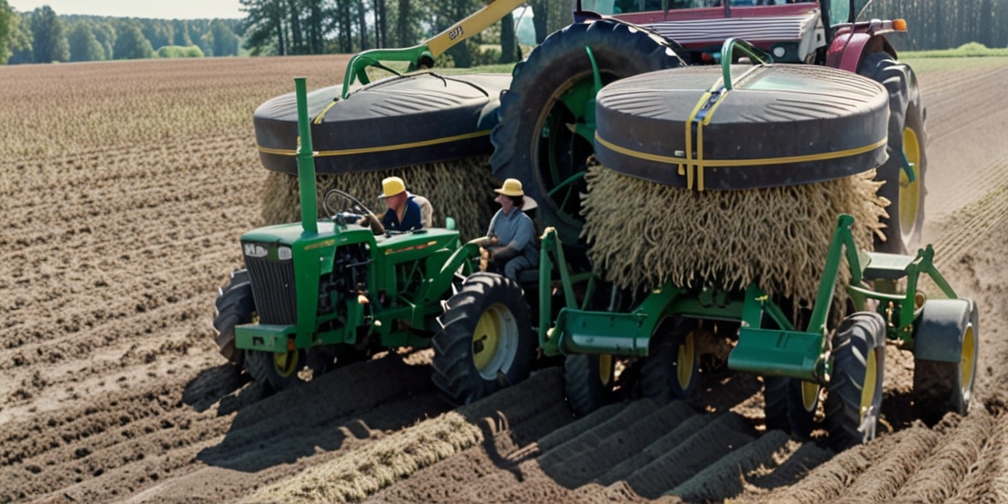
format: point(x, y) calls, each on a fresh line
point(852, 41)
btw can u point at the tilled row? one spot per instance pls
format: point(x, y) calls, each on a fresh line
point(129, 442)
point(629, 452)
point(917, 465)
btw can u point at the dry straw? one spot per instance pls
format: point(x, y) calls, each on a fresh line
point(461, 189)
point(643, 234)
point(363, 472)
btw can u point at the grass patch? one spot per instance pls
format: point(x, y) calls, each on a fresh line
point(966, 56)
point(501, 68)
point(926, 65)
point(970, 50)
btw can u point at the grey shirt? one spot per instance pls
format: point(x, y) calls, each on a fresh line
point(515, 236)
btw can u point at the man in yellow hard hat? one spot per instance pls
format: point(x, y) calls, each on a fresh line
point(403, 213)
point(510, 241)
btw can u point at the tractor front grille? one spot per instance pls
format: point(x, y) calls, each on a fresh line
point(273, 289)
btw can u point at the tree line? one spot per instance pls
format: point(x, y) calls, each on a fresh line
point(42, 36)
point(287, 27)
point(945, 24)
point(321, 26)
point(281, 27)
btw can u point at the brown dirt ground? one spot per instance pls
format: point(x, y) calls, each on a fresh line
point(113, 391)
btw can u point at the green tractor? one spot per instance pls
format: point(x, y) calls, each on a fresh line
point(327, 292)
point(708, 211)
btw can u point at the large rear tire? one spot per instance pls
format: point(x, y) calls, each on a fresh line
point(533, 139)
point(486, 341)
point(855, 388)
point(235, 306)
point(790, 405)
point(944, 387)
point(907, 137)
point(588, 381)
point(672, 368)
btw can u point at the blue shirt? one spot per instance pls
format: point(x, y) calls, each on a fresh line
point(410, 220)
point(515, 233)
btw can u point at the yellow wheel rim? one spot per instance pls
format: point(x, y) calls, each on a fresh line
point(685, 362)
point(809, 395)
point(909, 192)
point(495, 341)
point(285, 363)
point(486, 339)
point(968, 353)
point(605, 363)
point(868, 392)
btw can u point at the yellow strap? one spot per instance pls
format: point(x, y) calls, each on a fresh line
point(384, 148)
point(687, 168)
point(713, 163)
point(318, 120)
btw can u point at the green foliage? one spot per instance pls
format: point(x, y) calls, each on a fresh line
point(174, 51)
point(49, 42)
point(19, 41)
point(220, 39)
point(130, 42)
point(6, 22)
point(84, 46)
point(180, 27)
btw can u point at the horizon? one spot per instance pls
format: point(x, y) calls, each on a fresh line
point(177, 9)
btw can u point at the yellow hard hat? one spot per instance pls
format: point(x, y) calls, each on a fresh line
point(392, 186)
point(511, 187)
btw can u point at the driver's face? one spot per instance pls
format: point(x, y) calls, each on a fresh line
point(396, 201)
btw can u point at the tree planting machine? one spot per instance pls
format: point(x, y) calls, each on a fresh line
point(765, 196)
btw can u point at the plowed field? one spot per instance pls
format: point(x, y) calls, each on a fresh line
point(123, 190)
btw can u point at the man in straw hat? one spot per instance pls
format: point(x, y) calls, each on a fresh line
point(510, 241)
point(403, 213)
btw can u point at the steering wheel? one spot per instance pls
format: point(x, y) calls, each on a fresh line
point(345, 209)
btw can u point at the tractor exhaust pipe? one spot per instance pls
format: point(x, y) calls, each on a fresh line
point(305, 161)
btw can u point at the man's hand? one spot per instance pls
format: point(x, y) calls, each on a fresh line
point(376, 225)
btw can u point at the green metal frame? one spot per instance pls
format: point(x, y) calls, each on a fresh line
point(728, 51)
point(768, 342)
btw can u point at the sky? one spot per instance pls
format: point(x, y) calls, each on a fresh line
point(161, 9)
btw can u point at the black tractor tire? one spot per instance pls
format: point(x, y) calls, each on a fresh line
point(906, 122)
point(489, 314)
point(854, 396)
point(235, 306)
point(588, 381)
point(275, 372)
point(672, 367)
point(947, 387)
point(531, 140)
point(785, 408)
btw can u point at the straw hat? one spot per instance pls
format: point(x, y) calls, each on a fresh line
point(513, 187)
